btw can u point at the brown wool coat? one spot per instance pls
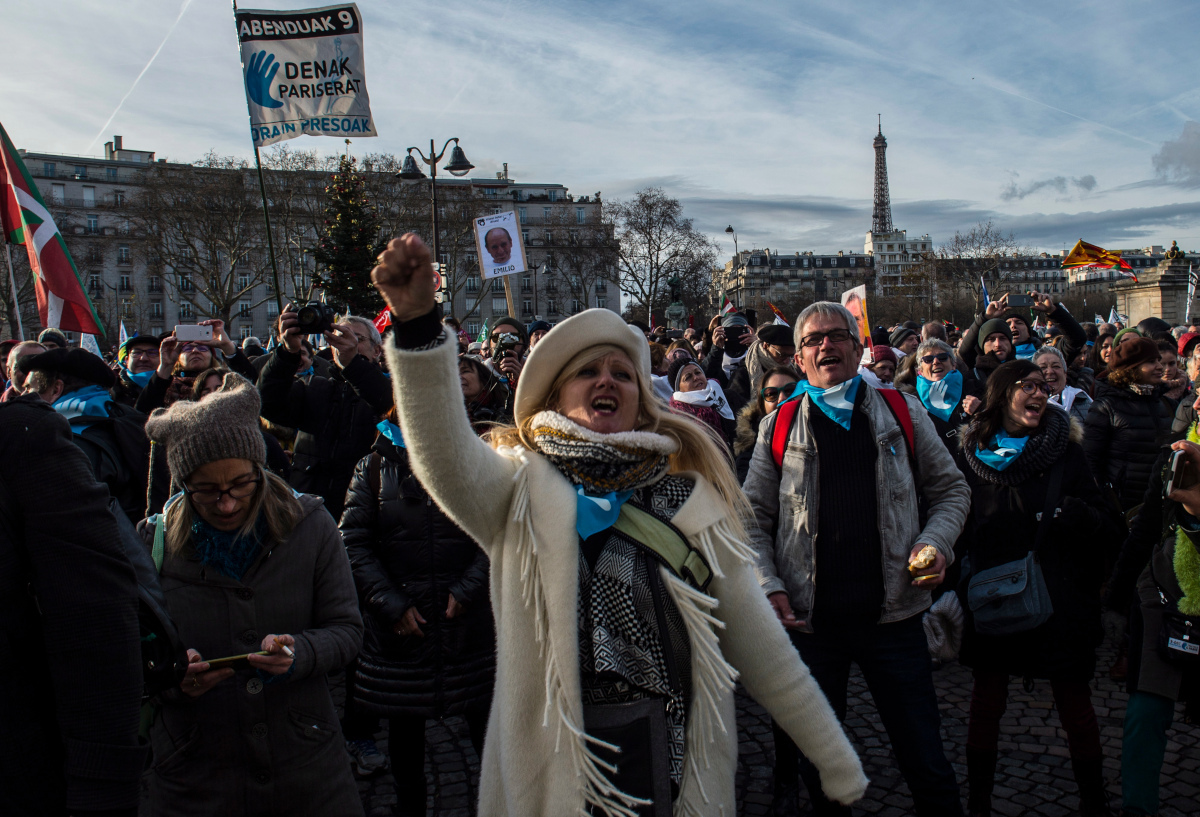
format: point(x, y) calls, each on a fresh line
point(248, 748)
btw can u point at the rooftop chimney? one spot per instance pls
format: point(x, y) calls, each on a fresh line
point(116, 142)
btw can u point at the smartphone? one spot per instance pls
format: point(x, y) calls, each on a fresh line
point(1179, 476)
point(234, 661)
point(1019, 299)
point(190, 332)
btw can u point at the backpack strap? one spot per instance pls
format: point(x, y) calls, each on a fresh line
point(895, 402)
point(785, 415)
point(666, 543)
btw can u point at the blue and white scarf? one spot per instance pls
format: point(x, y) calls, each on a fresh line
point(596, 513)
point(1002, 451)
point(941, 397)
point(140, 378)
point(837, 402)
point(82, 404)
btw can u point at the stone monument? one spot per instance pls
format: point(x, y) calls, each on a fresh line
point(1160, 292)
point(676, 312)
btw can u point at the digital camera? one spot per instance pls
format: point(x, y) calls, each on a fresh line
point(315, 317)
point(508, 342)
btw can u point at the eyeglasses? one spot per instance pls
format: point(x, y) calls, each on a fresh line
point(143, 352)
point(1031, 386)
point(239, 490)
point(817, 338)
point(773, 394)
point(940, 357)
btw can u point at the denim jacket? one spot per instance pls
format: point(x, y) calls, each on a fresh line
point(786, 503)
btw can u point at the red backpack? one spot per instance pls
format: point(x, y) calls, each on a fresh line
point(787, 415)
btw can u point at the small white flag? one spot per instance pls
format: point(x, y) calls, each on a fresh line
point(88, 342)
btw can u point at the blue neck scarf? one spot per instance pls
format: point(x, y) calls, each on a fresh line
point(1025, 351)
point(940, 397)
point(392, 432)
point(306, 372)
point(226, 551)
point(90, 401)
point(1002, 451)
point(596, 513)
point(141, 378)
point(837, 402)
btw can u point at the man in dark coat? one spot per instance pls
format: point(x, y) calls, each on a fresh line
point(334, 417)
point(137, 360)
point(70, 675)
point(77, 383)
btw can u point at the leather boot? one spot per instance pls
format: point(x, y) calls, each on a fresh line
point(1089, 776)
point(981, 777)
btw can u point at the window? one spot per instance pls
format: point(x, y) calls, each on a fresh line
point(816, 262)
point(526, 283)
point(552, 306)
point(473, 328)
point(125, 228)
point(126, 309)
point(523, 213)
point(576, 306)
point(272, 310)
point(580, 215)
point(549, 237)
point(546, 213)
point(156, 309)
point(94, 285)
point(245, 330)
point(89, 197)
point(110, 173)
point(499, 306)
point(123, 255)
point(125, 286)
point(119, 198)
point(156, 328)
point(93, 224)
point(553, 195)
point(48, 169)
point(498, 284)
point(243, 282)
point(472, 283)
point(525, 236)
point(58, 194)
point(185, 283)
point(243, 309)
point(526, 307)
point(601, 286)
point(186, 311)
point(852, 260)
point(81, 171)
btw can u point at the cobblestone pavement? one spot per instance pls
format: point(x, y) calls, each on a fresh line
point(1034, 774)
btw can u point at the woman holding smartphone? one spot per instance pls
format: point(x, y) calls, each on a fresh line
point(248, 566)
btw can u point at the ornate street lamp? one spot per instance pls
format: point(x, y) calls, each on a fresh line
point(457, 166)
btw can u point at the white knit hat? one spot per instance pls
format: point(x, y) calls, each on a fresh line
point(592, 327)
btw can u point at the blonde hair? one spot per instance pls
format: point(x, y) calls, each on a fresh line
point(274, 500)
point(697, 449)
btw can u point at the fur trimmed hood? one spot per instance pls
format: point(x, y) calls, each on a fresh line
point(747, 429)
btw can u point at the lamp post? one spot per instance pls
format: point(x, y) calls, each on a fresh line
point(737, 261)
point(457, 166)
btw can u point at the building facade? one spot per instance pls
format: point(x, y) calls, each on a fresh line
point(569, 249)
point(755, 277)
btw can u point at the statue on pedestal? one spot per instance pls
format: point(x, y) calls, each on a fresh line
point(1174, 253)
point(676, 312)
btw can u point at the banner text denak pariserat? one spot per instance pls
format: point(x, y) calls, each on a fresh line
point(305, 73)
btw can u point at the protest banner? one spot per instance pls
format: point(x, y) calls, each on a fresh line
point(305, 73)
point(856, 301)
point(498, 239)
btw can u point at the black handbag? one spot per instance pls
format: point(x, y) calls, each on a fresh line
point(1013, 597)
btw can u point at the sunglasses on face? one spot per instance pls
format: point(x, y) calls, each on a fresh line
point(817, 338)
point(1033, 386)
point(773, 394)
point(940, 357)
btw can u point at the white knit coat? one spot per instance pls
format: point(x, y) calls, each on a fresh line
point(537, 760)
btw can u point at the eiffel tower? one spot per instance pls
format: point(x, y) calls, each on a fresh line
point(881, 218)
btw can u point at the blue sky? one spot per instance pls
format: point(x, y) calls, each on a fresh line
point(1056, 120)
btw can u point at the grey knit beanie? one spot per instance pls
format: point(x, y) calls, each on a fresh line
point(224, 425)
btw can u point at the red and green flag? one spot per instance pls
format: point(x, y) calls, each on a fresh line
point(62, 301)
point(726, 305)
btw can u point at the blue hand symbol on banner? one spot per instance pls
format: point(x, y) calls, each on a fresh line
point(260, 72)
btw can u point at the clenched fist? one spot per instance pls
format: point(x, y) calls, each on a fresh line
point(405, 278)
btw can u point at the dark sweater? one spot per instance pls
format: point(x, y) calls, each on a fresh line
point(848, 556)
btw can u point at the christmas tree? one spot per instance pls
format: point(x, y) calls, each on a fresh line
point(349, 243)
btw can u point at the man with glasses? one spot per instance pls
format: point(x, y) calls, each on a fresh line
point(840, 550)
point(137, 359)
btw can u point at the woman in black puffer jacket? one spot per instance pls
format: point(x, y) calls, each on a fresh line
point(1011, 453)
point(1126, 419)
point(429, 647)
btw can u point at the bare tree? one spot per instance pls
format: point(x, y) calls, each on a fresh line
point(26, 298)
point(655, 243)
point(961, 262)
point(585, 257)
point(204, 229)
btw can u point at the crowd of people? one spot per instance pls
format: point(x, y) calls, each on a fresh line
point(578, 538)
